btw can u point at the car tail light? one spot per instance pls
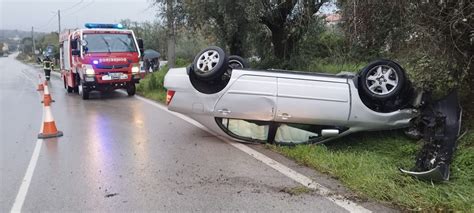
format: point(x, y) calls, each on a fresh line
point(169, 96)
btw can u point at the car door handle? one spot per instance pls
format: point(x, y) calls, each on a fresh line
point(284, 116)
point(224, 111)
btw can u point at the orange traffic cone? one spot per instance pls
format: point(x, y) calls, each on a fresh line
point(46, 96)
point(49, 129)
point(40, 85)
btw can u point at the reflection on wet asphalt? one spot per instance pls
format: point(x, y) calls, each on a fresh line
point(121, 154)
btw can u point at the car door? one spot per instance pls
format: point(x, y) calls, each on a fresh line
point(250, 97)
point(312, 101)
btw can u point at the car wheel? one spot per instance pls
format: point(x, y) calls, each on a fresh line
point(83, 92)
point(210, 63)
point(382, 80)
point(131, 89)
point(237, 62)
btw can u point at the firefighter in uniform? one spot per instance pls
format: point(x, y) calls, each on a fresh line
point(47, 67)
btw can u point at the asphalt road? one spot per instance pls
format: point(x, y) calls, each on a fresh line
point(119, 153)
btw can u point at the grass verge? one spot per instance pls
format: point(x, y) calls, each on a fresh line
point(152, 86)
point(368, 163)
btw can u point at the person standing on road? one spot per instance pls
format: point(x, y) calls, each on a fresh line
point(47, 67)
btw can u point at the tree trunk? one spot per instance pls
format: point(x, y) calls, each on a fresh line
point(235, 45)
point(281, 47)
point(171, 33)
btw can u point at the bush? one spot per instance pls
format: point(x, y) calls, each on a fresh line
point(152, 86)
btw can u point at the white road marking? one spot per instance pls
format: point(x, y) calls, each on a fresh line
point(25, 183)
point(290, 173)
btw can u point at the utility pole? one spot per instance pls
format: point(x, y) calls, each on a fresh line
point(59, 22)
point(33, 39)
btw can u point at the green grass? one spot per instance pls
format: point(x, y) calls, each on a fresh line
point(368, 163)
point(159, 95)
point(321, 66)
point(152, 85)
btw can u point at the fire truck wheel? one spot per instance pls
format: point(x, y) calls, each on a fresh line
point(76, 88)
point(131, 89)
point(67, 87)
point(83, 92)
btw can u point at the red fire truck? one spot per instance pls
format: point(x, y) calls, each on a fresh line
point(101, 57)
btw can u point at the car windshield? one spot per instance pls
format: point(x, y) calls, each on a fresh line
point(109, 43)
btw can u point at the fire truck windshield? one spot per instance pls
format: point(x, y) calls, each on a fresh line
point(109, 43)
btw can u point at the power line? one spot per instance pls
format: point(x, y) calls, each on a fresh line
point(49, 21)
point(75, 5)
point(43, 27)
point(78, 10)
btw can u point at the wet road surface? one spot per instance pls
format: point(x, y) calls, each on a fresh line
point(122, 154)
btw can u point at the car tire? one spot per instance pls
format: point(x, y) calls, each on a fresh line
point(237, 62)
point(382, 80)
point(131, 89)
point(210, 63)
point(84, 93)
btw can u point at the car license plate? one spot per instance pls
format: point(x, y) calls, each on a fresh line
point(106, 78)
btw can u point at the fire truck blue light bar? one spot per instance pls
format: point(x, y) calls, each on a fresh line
point(110, 26)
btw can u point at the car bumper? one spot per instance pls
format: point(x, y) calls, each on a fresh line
point(97, 83)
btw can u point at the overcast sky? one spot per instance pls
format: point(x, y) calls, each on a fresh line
point(42, 14)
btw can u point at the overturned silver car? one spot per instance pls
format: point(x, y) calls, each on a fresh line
point(290, 107)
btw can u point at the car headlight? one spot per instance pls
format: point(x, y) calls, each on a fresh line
point(135, 68)
point(89, 69)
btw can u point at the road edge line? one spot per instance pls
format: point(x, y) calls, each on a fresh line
point(286, 171)
point(26, 181)
point(25, 184)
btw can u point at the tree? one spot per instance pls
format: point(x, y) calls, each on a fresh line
point(27, 45)
point(51, 40)
point(152, 33)
point(173, 16)
point(226, 19)
point(288, 21)
point(434, 37)
point(435, 34)
point(375, 26)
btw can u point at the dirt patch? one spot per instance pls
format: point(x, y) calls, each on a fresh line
point(296, 191)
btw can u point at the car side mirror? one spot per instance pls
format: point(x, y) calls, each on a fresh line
point(140, 45)
point(76, 52)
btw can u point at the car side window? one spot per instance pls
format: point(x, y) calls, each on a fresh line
point(244, 129)
point(297, 133)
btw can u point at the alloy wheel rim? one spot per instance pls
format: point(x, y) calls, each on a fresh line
point(208, 61)
point(382, 80)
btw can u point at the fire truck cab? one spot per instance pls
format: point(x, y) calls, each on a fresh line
point(101, 57)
